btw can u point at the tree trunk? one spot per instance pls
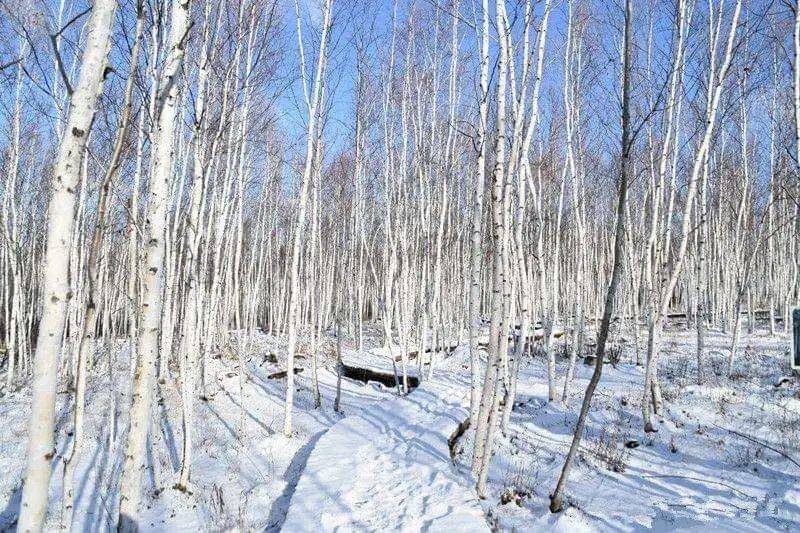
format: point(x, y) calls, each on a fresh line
point(556, 499)
point(153, 279)
point(312, 101)
point(87, 338)
point(56, 284)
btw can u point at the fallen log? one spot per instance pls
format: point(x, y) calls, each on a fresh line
point(282, 374)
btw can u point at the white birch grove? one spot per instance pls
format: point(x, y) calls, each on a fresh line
point(536, 184)
point(669, 276)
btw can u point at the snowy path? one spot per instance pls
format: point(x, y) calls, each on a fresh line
point(389, 468)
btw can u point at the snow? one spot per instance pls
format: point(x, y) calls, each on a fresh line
point(384, 359)
point(244, 468)
point(384, 463)
point(691, 475)
point(389, 469)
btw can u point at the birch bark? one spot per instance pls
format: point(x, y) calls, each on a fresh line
point(312, 103)
point(86, 343)
point(153, 264)
point(57, 291)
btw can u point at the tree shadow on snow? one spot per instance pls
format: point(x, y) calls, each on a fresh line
point(277, 513)
point(9, 515)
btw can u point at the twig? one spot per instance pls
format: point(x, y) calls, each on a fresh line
point(762, 443)
point(71, 22)
point(10, 64)
point(60, 64)
point(54, 42)
point(734, 489)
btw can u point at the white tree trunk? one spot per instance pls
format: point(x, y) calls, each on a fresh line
point(312, 102)
point(86, 344)
point(489, 394)
point(56, 284)
point(153, 278)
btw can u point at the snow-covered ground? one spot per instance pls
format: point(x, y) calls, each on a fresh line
point(388, 468)
point(384, 463)
point(693, 474)
point(244, 469)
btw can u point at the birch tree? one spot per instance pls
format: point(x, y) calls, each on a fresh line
point(477, 216)
point(489, 394)
point(86, 343)
point(166, 112)
point(556, 499)
point(56, 285)
point(313, 96)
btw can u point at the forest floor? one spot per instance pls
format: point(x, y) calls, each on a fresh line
point(711, 464)
point(388, 468)
point(244, 469)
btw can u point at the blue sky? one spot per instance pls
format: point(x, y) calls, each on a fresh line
point(358, 17)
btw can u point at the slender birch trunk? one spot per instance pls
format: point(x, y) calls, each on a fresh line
point(477, 219)
point(796, 87)
point(57, 291)
point(556, 499)
point(313, 104)
point(153, 279)
point(489, 394)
